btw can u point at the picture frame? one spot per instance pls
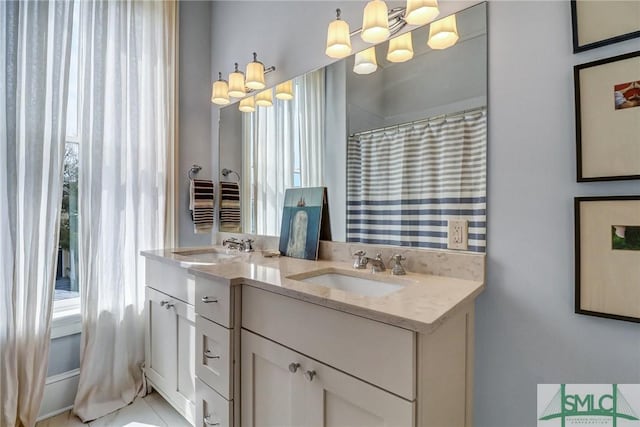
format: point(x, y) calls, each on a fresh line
point(607, 257)
point(597, 23)
point(304, 216)
point(607, 137)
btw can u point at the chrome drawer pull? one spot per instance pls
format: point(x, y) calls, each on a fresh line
point(293, 367)
point(309, 375)
point(163, 303)
point(208, 421)
point(206, 300)
point(210, 355)
point(169, 305)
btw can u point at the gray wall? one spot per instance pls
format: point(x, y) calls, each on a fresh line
point(526, 331)
point(194, 109)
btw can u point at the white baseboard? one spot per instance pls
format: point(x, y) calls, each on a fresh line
point(59, 393)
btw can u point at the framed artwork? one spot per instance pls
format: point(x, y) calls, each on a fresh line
point(302, 217)
point(600, 23)
point(607, 106)
point(607, 239)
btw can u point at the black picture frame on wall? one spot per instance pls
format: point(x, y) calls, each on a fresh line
point(607, 282)
point(579, 28)
point(607, 141)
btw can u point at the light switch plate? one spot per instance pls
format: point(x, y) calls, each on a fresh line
point(458, 234)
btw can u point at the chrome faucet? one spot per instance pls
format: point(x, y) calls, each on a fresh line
point(240, 245)
point(377, 265)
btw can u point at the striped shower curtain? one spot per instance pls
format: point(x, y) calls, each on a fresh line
point(406, 182)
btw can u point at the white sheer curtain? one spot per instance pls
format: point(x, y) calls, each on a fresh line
point(126, 132)
point(35, 43)
point(278, 143)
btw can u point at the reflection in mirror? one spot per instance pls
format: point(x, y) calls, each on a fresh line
point(401, 150)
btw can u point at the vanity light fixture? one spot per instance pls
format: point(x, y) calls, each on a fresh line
point(400, 48)
point(338, 38)
point(248, 104)
point(421, 12)
point(365, 61)
point(255, 74)
point(443, 33)
point(375, 22)
point(265, 98)
point(220, 91)
point(236, 83)
point(284, 90)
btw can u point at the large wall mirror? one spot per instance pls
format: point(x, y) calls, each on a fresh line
point(401, 150)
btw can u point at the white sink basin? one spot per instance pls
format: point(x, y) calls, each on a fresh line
point(204, 256)
point(353, 284)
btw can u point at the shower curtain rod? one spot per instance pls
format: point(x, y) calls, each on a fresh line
point(414, 122)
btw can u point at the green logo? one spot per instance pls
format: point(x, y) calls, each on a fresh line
point(588, 406)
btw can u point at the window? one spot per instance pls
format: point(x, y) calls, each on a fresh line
point(67, 289)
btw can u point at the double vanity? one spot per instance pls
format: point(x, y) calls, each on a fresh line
point(243, 339)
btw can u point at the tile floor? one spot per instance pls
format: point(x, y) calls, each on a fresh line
point(150, 411)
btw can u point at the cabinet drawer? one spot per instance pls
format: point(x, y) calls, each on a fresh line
point(211, 408)
point(172, 280)
point(214, 358)
point(378, 353)
point(213, 301)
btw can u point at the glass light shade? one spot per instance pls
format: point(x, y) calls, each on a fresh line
point(400, 48)
point(365, 62)
point(220, 92)
point(375, 22)
point(255, 75)
point(236, 85)
point(420, 12)
point(338, 39)
point(284, 90)
point(265, 98)
point(247, 105)
point(443, 33)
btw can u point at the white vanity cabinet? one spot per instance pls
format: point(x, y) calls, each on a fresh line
point(309, 365)
point(170, 336)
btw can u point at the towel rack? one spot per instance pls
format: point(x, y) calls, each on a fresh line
point(194, 170)
point(225, 172)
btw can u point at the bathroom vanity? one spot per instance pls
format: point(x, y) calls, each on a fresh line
point(245, 340)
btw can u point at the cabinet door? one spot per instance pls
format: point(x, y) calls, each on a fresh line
point(335, 399)
point(186, 341)
point(272, 395)
point(161, 341)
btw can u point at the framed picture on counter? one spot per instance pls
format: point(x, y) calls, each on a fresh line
point(607, 257)
point(601, 23)
point(607, 108)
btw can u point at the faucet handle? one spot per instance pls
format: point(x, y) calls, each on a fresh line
point(361, 261)
point(378, 256)
point(247, 245)
point(398, 269)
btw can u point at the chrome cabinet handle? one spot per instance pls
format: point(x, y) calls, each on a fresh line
point(210, 355)
point(309, 375)
point(207, 421)
point(169, 305)
point(163, 303)
point(293, 367)
point(206, 300)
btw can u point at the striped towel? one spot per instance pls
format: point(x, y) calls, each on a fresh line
point(229, 206)
point(201, 198)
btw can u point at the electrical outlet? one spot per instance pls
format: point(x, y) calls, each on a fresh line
point(458, 234)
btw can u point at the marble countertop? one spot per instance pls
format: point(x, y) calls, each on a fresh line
point(420, 305)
